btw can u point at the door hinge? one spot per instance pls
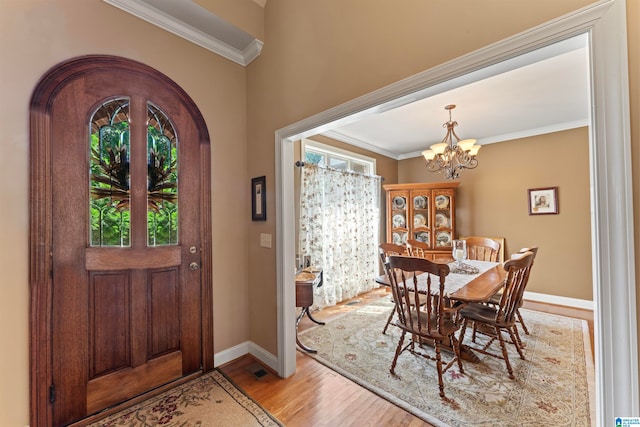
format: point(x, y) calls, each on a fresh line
point(52, 393)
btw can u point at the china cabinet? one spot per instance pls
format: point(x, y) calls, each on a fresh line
point(423, 212)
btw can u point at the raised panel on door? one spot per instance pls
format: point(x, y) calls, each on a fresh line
point(164, 312)
point(109, 319)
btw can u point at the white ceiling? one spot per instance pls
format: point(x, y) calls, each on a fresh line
point(543, 91)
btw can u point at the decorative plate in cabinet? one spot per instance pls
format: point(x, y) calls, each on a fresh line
point(422, 236)
point(399, 202)
point(443, 238)
point(399, 238)
point(442, 221)
point(420, 202)
point(399, 221)
point(442, 202)
point(419, 221)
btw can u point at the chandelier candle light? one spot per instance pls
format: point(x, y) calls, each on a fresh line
point(451, 156)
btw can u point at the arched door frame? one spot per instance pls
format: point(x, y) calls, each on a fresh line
point(614, 281)
point(40, 264)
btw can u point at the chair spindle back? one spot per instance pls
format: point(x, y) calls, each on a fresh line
point(417, 248)
point(428, 318)
point(483, 249)
point(518, 271)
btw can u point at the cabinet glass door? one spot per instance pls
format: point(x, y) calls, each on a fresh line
point(443, 219)
point(399, 225)
point(421, 216)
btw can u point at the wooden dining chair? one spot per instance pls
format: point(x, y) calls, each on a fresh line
point(434, 321)
point(417, 248)
point(495, 300)
point(386, 250)
point(484, 249)
point(493, 320)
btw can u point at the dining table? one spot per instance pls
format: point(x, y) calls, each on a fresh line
point(476, 282)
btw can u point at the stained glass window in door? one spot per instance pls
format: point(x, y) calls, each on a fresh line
point(162, 178)
point(109, 174)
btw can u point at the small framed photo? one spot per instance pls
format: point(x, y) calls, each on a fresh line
point(543, 201)
point(259, 199)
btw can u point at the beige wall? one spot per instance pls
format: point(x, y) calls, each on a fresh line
point(492, 201)
point(38, 34)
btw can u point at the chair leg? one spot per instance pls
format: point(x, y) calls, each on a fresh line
point(505, 355)
point(521, 320)
point(384, 331)
point(473, 333)
point(439, 366)
point(515, 338)
point(517, 334)
point(463, 329)
point(456, 351)
point(398, 351)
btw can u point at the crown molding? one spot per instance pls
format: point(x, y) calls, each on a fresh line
point(182, 29)
point(338, 136)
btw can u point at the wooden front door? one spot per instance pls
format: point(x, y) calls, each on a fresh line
point(125, 215)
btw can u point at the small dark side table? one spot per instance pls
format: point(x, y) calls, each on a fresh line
point(304, 299)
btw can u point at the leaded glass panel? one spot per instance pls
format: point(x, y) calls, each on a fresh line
point(109, 174)
point(162, 178)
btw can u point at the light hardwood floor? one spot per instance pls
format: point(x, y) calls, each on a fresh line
point(317, 396)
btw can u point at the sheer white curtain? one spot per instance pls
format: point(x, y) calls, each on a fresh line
point(339, 223)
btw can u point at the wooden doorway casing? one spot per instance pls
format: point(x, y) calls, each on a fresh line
point(41, 215)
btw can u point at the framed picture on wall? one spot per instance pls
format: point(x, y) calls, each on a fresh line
point(543, 201)
point(259, 199)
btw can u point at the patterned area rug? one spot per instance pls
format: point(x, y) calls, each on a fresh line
point(210, 400)
point(553, 386)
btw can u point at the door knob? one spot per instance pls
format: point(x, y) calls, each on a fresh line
point(194, 266)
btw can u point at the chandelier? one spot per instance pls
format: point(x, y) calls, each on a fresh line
point(451, 156)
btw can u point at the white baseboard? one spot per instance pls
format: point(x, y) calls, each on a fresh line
point(247, 347)
point(554, 299)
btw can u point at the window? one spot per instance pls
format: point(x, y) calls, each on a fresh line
point(162, 179)
point(110, 201)
point(109, 184)
point(336, 158)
